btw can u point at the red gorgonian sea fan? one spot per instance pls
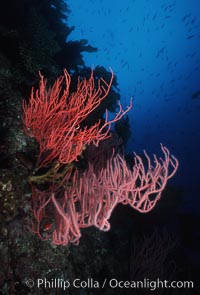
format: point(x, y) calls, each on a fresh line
point(90, 198)
point(82, 199)
point(53, 117)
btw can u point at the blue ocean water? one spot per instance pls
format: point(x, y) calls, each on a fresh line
point(153, 48)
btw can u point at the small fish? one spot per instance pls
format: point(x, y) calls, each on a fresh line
point(191, 36)
point(196, 94)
